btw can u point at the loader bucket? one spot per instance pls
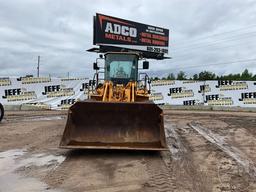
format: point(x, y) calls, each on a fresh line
point(112, 125)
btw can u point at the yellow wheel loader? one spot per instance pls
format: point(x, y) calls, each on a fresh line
point(118, 114)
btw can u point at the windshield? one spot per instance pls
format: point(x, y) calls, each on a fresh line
point(121, 68)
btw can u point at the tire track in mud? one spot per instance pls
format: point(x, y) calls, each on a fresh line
point(160, 178)
point(230, 176)
point(230, 167)
point(174, 170)
point(185, 174)
point(231, 151)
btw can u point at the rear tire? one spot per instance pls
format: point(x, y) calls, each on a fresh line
point(1, 112)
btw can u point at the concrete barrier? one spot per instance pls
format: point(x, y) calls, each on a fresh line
point(209, 108)
point(22, 108)
point(171, 107)
point(12, 107)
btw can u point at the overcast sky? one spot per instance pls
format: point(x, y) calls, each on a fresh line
point(202, 33)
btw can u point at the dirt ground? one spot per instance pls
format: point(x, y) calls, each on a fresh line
point(209, 151)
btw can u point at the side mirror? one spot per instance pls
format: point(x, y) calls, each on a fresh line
point(145, 64)
point(95, 66)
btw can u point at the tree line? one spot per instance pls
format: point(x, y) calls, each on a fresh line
point(207, 75)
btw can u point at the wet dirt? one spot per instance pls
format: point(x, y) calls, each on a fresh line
point(15, 160)
point(209, 151)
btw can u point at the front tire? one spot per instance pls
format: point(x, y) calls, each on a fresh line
point(1, 112)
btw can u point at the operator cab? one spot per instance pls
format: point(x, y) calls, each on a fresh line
point(121, 68)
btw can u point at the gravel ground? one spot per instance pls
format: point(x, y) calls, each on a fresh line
point(209, 151)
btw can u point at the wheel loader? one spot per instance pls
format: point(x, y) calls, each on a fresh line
point(118, 113)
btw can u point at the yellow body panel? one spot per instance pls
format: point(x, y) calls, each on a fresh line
point(120, 93)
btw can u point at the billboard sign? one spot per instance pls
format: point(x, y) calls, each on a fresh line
point(116, 32)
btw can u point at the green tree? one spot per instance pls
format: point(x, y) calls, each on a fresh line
point(254, 78)
point(246, 75)
point(171, 77)
point(236, 77)
point(206, 75)
point(195, 77)
point(181, 76)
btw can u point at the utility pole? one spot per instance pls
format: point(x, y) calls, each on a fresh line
point(38, 64)
point(204, 101)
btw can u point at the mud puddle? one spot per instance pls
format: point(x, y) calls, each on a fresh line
point(41, 118)
point(35, 118)
point(12, 160)
point(175, 145)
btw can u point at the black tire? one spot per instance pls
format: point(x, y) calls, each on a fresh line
point(1, 112)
